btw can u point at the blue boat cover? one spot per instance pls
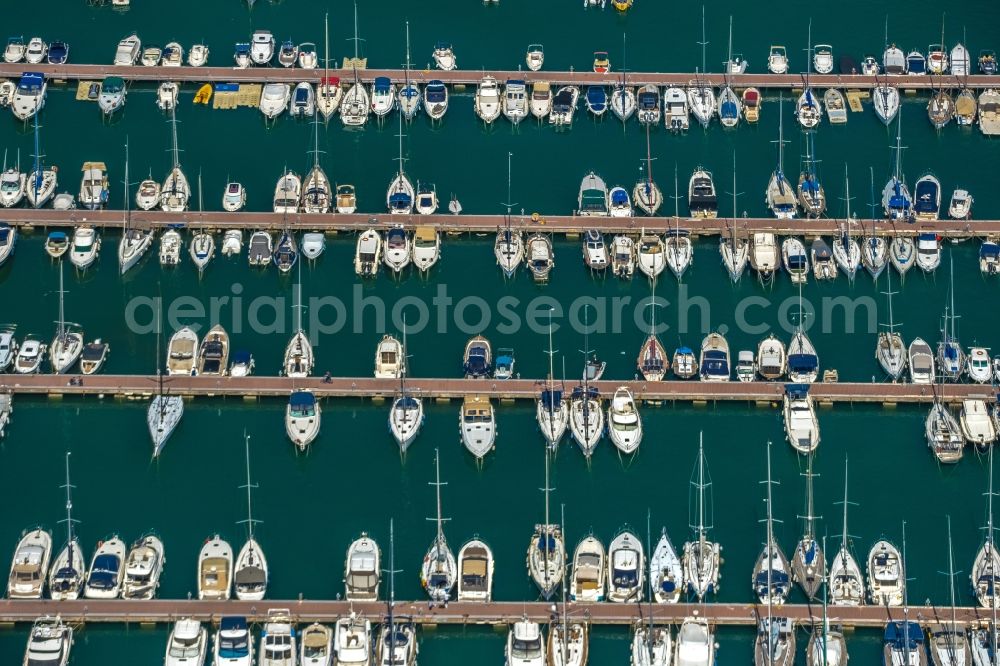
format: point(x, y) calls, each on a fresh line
point(916, 64)
point(242, 357)
point(778, 579)
point(898, 633)
point(715, 364)
point(591, 392)
point(683, 350)
point(227, 87)
point(442, 45)
point(31, 81)
point(242, 48)
point(648, 100)
point(898, 199)
point(926, 196)
point(728, 109)
point(802, 362)
point(927, 236)
point(301, 95)
point(989, 249)
point(551, 399)
point(300, 400)
point(505, 361)
point(797, 391)
point(382, 84)
point(407, 402)
point(57, 235)
point(435, 91)
point(797, 261)
point(619, 197)
point(399, 200)
point(597, 96)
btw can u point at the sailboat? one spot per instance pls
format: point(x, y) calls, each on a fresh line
point(299, 358)
point(846, 251)
point(771, 574)
point(568, 641)
point(355, 106)
point(407, 412)
point(509, 245)
point(646, 194)
point(951, 357)
point(397, 641)
point(846, 584)
point(164, 411)
point(730, 107)
point(652, 362)
point(67, 345)
point(827, 646)
point(328, 92)
point(702, 558)
point(251, 572)
point(700, 95)
point(547, 548)
point(176, 190)
point(399, 196)
point(679, 249)
point(68, 569)
point(735, 251)
point(890, 350)
point(809, 109)
point(552, 412)
point(986, 566)
point(808, 560)
point(134, 242)
point(803, 362)
point(316, 191)
point(408, 96)
point(812, 197)
point(439, 570)
point(780, 195)
point(948, 644)
point(896, 200)
point(586, 420)
point(41, 182)
point(653, 646)
point(904, 641)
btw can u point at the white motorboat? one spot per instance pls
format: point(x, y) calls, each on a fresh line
point(927, 198)
point(795, 260)
point(624, 423)
point(676, 111)
point(525, 646)
point(147, 196)
point(515, 101)
point(666, 574)
point(488, 101)
point(383, 96)
point(435, 99)
point(215, 570)
point(623, 256)
point(316, 646)
point(29, 356)
point(564, 106)
point(626, 567)
point(213, 356)
point(534, 58)
point(352, 641)
point(777, 60)
point(977, 424)
point(651, 254)
point(368, 253)
point(746, 366)
point(714, 360)
point(595, 251)
point(823, 58)
point(151, 56)
point(14, 51)
point(166, 95)
point(771, 358)
point(978, 365)
point(651, 646)
point(143, 567)
point(886, 578)
point(389, 358)
point(30, 565)
point(233, 643)
point(362, 570)
point(539, 256)
point(540, 103)
point(13, 184)
point(29, 97)
point(920, 360)
point(287, 193)
point(960, 206)
point(801, 423)
point(49, 643)
point(475, 571)
point(347, 199)
point(187, 644)
point(182, 352)
point(198, 55)
point(113, 95)
point(477, 424)
point(313, 245)
point(274, 99)
point(234, 199)
point(587, 580)
point(396, 251)
point(303, 101)
point(173, 55)
point(302, 418)
point(262, 47)
point(695, 645)
point(107, 570)
point(8, 348)
point(426, 199)
point(444, 56)
point(86, 246)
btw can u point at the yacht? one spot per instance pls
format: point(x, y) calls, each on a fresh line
point(977, 425)
point(890, 351)
point(444, 56)
point(977, 365)
point(313, 245)
point(896, 201)
point(515, 101)
point(920, 360)
point(586, 420)
point(368, 253)
point(702, 558)
point(777, 60)
point(355, 106)
point(30, 565)
point(347, 199)
point(49, 643)
point(539, 256)
point(182, 352)
point(233, 643)
point(352, 641)
point(67, 345)
point(746, 366)
point(874, 255)
point(666, 572)
point(383, 96)
point(823, 58)
point(989, 112)
point(780, 195)
point(286, 253)
point(801, 424)
point(215, 571)
point(477, 361)
point(8, 348)
point(260, 249)
point(107, 570)
point(316, 646)
point(540, 103)
point(771, 358)
point(564, 106)
point(435, 99)
point(143, 567)
point(262, 47)
point(29, 97)
point(652, 362)
point(651, 646)
point(587, 580)
point(213, 355)
point(488, 100)
point(650, 254)
point(812, 196)
point(303, 101)
point(85, 248)
point(714, 361)
point(927, 198)
point(475, 572)
point(362, 570)
point(439, 570)
point(202, 249)
point(885, 101)
point(624, 423)
point(389, 359)
point(287, 193)
point(685, 363)
point(808, 109)
point(278, 639)
point(29, 356)
point(730, 108)
point(187, 644)
point(676, 112)
point(795, 260)
point(702, 199)
point(147, 197)
point(623, 256)
point(846, 584)
point(943, 433)
point(960, 206)
point(847, 252)
point(13, 185)
point(8, 241)
point(595, 252)
point(525, 646)
point(701, 101)
point(302, 418)
point(695, 645)
point(176, 191)
point(477, 424)
point(886, 579)
point(592, 199)
point(622, 102)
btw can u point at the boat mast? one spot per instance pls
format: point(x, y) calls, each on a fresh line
point(733, 239)
point(991, 551)
point(770, 559)
point(326, 51)
point(546, 529)
point(392, 590)
point(951, 585)
point(127, 215)
point(649, 168)
point(38, 163)
point(440, 521)
point(810, 533)
point(906, 606)
point(62, 314)
point(69, 515)
point(406, 72)
point(250, 521)
point(550, 435)
point(565, 619)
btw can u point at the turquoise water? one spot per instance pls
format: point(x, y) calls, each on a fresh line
point(353, 480)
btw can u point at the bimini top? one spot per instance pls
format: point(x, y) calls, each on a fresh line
point(301, 401)
point(802, 362)
point(435, 91)
point(797, 391)
point(382, 84)
point(899, 633)
point(551, 399)
point(31, 81)
point(989, 249)
point(619, 197)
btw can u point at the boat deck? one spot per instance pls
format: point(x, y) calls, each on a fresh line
point(471, 77)
point(570, 224)
point(141, 386)
point(464, 613)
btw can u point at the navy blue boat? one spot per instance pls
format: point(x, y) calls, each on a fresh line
point(597, 100)
point(58, 53)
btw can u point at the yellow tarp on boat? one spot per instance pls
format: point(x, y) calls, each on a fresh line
point(204, 94)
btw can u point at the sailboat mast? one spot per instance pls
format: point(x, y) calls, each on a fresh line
point(62, 313)
point(649, 165)
point(810, 533)
point(326, 48)
point(437, 489)
point(565, 618)
point(126, 216)
point(546, 532)
point(246, 439)
point(392, 584)
point(951, 578)
point(69, 512)
point(355, 35)
point(906, 606)
point(770, 560)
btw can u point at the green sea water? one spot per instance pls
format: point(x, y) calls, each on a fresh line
point(353, 479)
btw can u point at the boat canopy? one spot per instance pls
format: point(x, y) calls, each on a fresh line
point(242, 357)
point(927, 236)
point(505, 361)
point(619, 197)
point(926, 195)
point(301, 400)
point(399, 200)
point(54, 236)
point(990, 250)
point(797, 391)
point(593, 200)
point(31, 82)
point(382, 84)
point(442, 46)
point(898, 633)
point(715, 363)
point(797, 262)
point(590, 393)
point(551, 399)
point(425, 235)
point(802, 362)
point(435, 91)
point(407, 402)
point(242, 48)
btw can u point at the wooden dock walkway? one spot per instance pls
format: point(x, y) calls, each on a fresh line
point(464, 613)
point(144, 386)
point(568, 224)
point(471, 77)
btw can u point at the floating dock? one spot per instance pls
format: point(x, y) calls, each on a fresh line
point(568, 224)
point(469, 613)
point(140, 386)
point(292, 75)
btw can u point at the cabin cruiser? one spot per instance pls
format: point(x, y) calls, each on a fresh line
point(303, 101)
point(885, 575)
point(107, 570)
point(595, 252)
point(989, 256)
point(977, 424)
point(143, 567)
point(488, 101)
point(676, 112)
point(893, 61)
point(302, 418)
point(383, 96)
point(771, 358)
point(928, 255)
point(362, 570)
point(113, 94)
point(213, 356)
point(128, 51)
point(801, 424)
point(287, 193)
point(235, 197)
point(977, 365)
point(927, 198)
point(921, 362)
point(619, 203)
point(427, 200)
point(435, 99)
point(352, 642)
point(592, 199)
point(396, 252)
point(8, 241)
point(596, 99)
point(187, 644)
point(12, 187)
point(8, 348)
point(215, 569)
point(29, 356)
point(29, 98)
point(746, 366)
point(702, 198)
point(233, 643)
point(540, 103)
point(274, 99)
point(278, 639)
point(347, 199)
point(477, 360)
point(477, 424)
point(316, 646)
point(49, 643)
point(515, 101)
point(623, 256)
point(695, 645)
point(260, 249)
point(389, 359)
point(93, 356)
point(685, 363)
point(30, 565)
point(587, 580)
point(960, 206)
point(714, 362)
point(147, 196)
point(624, 423)
point(182, 352)
point(777, 60)
point(564, 106)
point(524, 645)
point(539, 256)
point(444, 56)
point(368, 253)
point(261, 47)
point(475, 571)
point(795, 260)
